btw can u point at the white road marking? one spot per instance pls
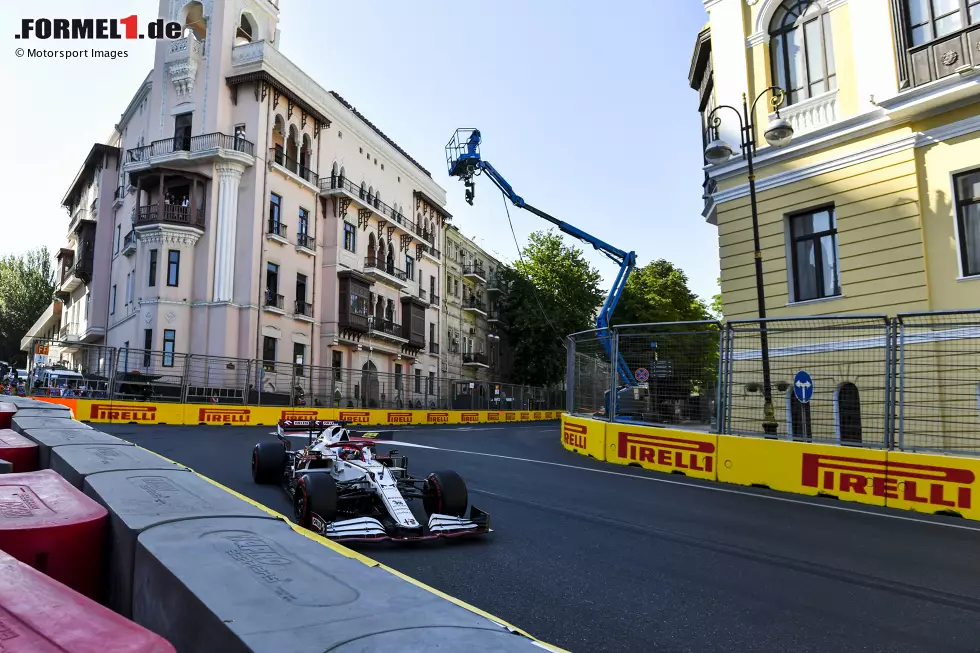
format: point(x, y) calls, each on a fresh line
point(710, 488)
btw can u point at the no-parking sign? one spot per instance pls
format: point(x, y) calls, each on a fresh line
point(642, 375)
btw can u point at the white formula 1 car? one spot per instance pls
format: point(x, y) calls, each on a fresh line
point(341, 489)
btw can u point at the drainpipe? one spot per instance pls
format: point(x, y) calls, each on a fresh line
point(316, 234)
point(265, 193)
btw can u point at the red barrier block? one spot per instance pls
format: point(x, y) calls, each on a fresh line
point(49, 524)
point(7, 411)
point(40, 615)
point(18, 450)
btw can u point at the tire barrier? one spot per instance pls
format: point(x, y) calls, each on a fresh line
point(929, 483)
point(7, 410)
point(128, 412)
point(78, 461)
point(41, 615)
point(211, 570)
point(19, 451)
point(52, 526)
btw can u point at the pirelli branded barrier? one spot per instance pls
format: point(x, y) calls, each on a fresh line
point(119, 412)
point(926, 483)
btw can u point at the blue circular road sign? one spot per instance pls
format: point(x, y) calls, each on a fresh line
point(803, 386)
point(642, 375)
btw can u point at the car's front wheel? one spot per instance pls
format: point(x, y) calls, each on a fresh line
point(315, 493)
point(445, 493)
point(268, 462)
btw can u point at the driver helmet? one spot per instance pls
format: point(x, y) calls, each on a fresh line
point(349, 453)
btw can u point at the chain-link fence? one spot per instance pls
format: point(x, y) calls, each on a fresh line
point(846, 360)
point(938, 372)
point(912, 382)
point(71, 369)
point(669, 373)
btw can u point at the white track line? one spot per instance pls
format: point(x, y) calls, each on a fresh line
point(710, 488)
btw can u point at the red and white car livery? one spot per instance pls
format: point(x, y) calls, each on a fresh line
point(343, 489)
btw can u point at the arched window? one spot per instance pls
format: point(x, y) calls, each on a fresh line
point(292, 148)
point(802, 50)
point(343, 174)
point(370, 195)
point(372, 253)
point(799, 424)
point(333, 175)
point(247, 30)
point(934, 19)
point(849, 413)
point(363, 190)
point(194, 21)
point(304, 159)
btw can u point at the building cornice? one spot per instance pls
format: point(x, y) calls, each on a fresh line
point(169, 234)
point(134, 104)
point(908, 142)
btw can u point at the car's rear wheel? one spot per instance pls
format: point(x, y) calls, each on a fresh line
point(268, 462)
point(315, 493)
point(445, 493)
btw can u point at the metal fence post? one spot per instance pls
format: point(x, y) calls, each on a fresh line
point(570, 375)
point(611, 416)
point(901, 383)
point(889, 383)
point(719, 410)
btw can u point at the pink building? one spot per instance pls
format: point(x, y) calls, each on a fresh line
point(243, 211)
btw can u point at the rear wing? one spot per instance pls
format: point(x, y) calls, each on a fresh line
point(314, 427)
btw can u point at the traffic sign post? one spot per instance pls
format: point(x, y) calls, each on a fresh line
point(803, 390)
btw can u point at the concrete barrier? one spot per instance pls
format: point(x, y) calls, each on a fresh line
point(76, 462)
point(244, 585)
point(49, 438)
point(213, 571)
point(23, 423)
point(31, 411)
point(139, 500)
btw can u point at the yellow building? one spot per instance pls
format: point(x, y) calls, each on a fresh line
point(873, 208)
point(884, 162)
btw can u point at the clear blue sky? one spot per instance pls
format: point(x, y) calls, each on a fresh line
point(584, 107)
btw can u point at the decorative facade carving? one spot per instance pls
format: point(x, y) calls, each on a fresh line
point(182, 74)
point(171, 316)
point(163, 234)
point(950, 58)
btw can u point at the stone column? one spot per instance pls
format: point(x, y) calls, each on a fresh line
point(229, 177)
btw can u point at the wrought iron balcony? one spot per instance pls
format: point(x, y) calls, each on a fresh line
point(493, 316)
point(337, 185)
point(283, 160)
point(276, 228)
point(304, 308)
point(171, 213)
point(384, 326)
point(129, 244)
point(305, 240)
point(274, 301)
point(495, 284)
point(69, 332)
point(474, 304)
point(189, 144)
point(475, 360)
point(475, 271)
point(381, 271)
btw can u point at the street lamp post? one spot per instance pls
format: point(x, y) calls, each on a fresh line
point(778, 133)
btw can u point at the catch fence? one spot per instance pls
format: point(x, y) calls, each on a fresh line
point(911, 382)
point(73, 369)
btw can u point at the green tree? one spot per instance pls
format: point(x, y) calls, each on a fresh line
point(552, 293)
point(716, 302)
point(658, 292)
point(26, 289)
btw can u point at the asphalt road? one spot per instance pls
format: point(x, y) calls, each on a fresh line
point(596, 557)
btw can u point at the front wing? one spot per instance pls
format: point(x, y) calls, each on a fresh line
point(369, 529)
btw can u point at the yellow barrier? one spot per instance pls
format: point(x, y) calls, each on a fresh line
point(584, 436)
point(126, 412)
point(663, 450)
point(847, 473)
point(928, 483)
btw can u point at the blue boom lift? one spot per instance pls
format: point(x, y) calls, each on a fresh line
point(463, 159)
